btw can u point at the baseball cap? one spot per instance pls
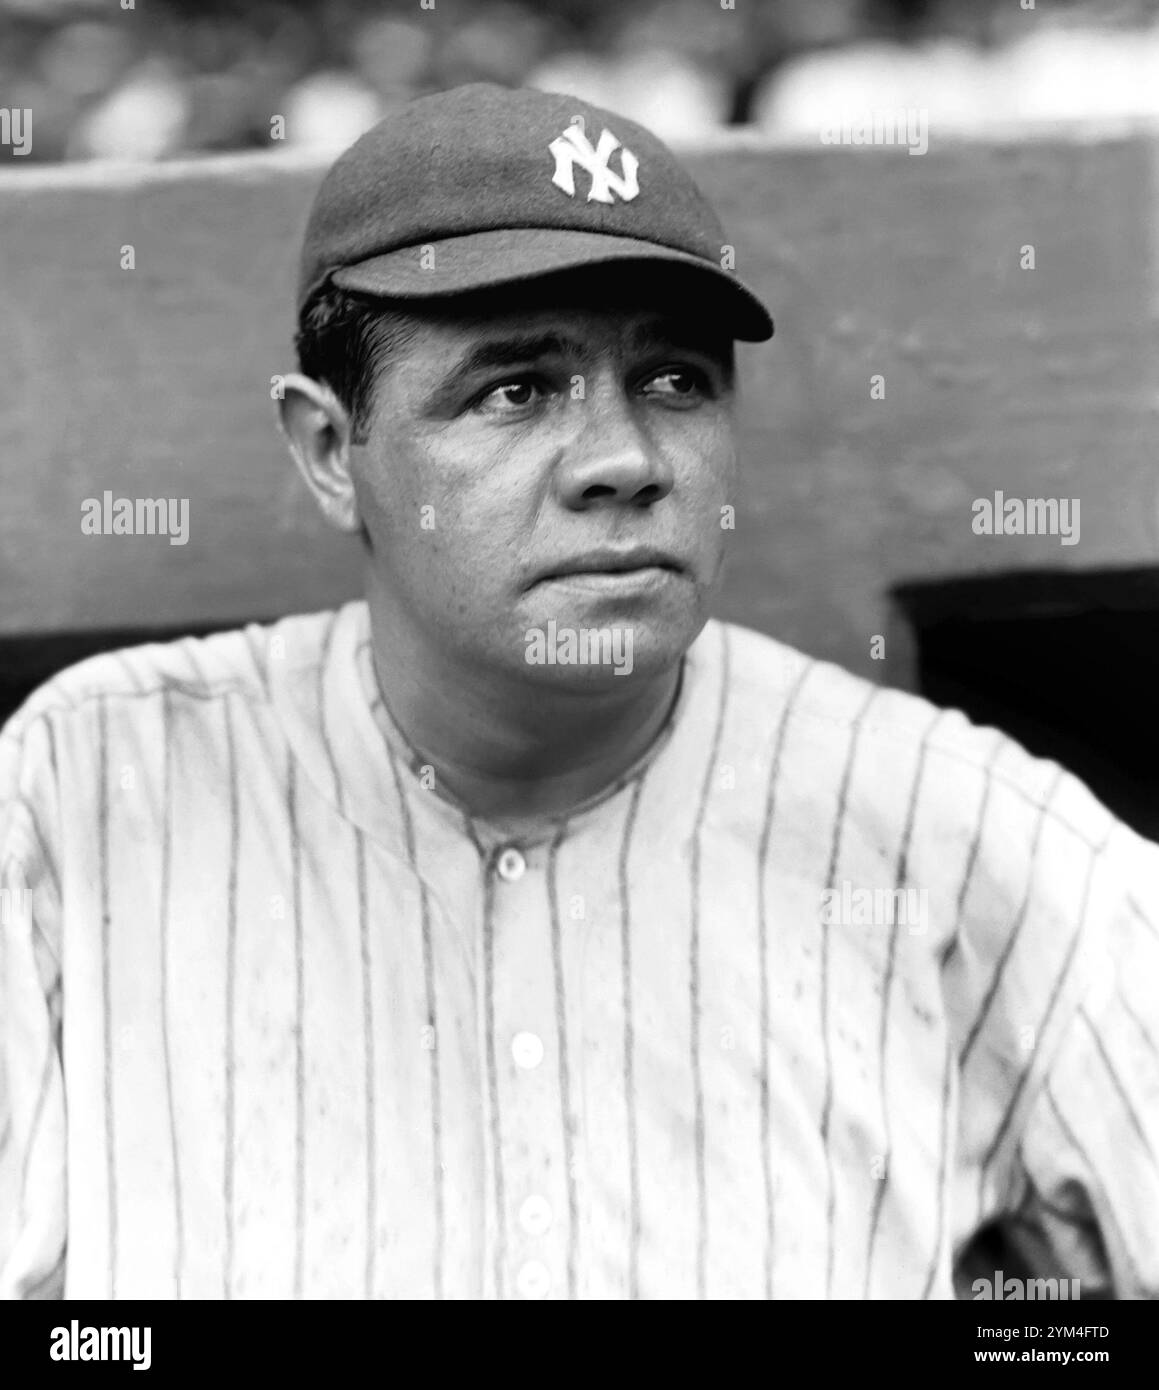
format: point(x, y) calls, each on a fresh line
point(485, 185)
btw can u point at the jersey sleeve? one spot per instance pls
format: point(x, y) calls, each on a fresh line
point(32, 1111)
point(1089, 1153)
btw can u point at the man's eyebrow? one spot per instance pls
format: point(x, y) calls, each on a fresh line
point(511, 350)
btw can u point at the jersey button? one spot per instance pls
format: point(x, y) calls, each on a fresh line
point(511, 865)
point(533, 1280)
point(527, 1049)
point(535, 1216)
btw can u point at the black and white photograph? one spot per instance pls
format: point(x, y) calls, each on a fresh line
point(579, 628)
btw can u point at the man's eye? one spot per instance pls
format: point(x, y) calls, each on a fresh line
point(677, 382)
point(509, 397)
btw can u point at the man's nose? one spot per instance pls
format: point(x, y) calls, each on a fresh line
point(612, 462)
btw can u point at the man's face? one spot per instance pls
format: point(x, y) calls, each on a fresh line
point(552, 462)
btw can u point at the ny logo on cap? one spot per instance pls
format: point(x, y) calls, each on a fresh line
point(573, 147)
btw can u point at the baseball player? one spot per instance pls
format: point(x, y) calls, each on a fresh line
point(517, 931)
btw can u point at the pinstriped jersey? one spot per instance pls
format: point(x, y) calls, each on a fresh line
point(825, 987)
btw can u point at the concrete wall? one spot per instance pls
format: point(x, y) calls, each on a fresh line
point(155, 382)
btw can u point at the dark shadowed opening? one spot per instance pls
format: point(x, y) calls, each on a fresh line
point(1067, 663)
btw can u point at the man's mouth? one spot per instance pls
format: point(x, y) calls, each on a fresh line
point(615, 567)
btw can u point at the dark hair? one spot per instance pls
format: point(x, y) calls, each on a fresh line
point(347, 340)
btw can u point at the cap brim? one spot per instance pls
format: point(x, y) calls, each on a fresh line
point(509, 255)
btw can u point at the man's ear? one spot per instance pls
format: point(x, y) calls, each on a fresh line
point(319, 434)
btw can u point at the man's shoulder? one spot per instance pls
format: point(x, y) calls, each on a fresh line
point(768, 680)
point(884, 729)
point(199, 671)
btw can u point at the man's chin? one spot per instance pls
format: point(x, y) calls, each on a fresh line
point(604, 658)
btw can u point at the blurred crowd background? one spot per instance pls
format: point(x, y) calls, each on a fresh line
point(177, 77)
